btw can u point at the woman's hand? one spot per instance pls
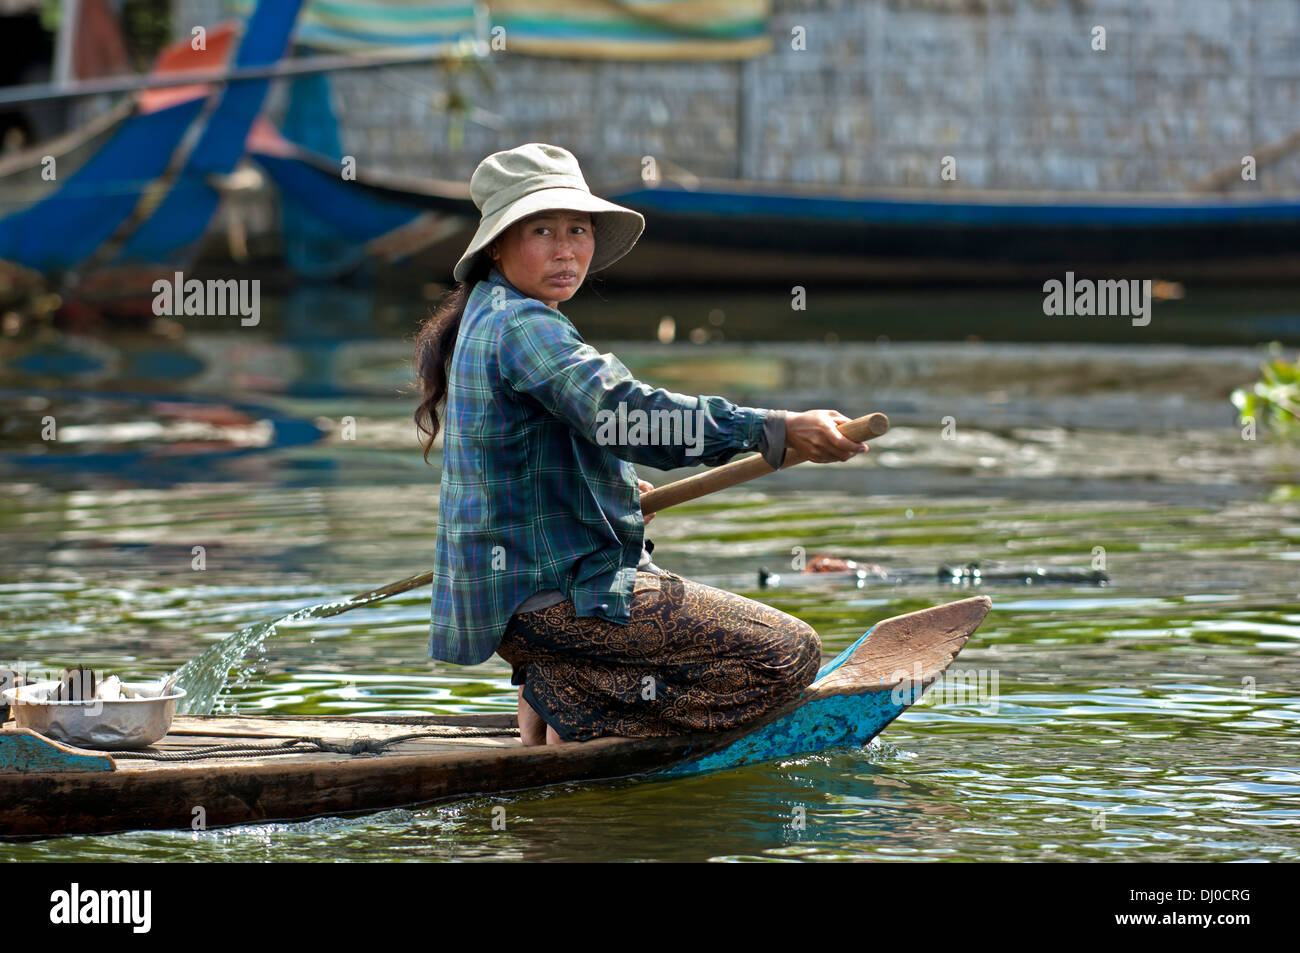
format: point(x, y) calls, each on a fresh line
point(645, 486)
point(815, 435)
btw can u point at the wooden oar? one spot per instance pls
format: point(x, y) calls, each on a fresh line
point(742, 471)
point(660, 498)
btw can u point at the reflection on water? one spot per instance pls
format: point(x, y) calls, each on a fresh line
point(1154, 719)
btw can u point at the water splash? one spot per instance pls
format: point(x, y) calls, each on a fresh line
point(205, 677)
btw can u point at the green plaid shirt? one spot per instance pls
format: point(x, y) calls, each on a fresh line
point(538, 488)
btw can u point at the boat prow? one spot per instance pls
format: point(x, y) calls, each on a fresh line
point(857, 693)
point(283, 767)
point(916, 646)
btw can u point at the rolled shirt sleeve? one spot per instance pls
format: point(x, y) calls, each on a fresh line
point(771, 443)
point(542, 356)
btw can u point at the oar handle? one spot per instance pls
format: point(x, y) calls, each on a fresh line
point(739, 471)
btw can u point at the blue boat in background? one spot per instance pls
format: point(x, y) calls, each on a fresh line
point(333, 219)
point(700, 229)
point(147, 196)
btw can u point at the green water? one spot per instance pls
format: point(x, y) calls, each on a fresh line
point(1154, 719)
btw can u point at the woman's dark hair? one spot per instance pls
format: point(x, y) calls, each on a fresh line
point(434, 344)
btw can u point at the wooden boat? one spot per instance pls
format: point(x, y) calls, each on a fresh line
point(146, 193)
point(294, 767)
point(723, 230)
point(331, 226)
point(717, 232)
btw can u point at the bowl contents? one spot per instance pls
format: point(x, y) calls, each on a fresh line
point(103, 713)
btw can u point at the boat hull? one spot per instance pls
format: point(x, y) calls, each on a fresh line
point(367, 764)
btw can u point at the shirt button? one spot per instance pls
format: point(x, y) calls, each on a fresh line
point(605, 606)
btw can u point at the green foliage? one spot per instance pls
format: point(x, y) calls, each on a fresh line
point(1275, 398)
point(146, 26)
point(455, 102)
point(146, 29)
point(1285, 493)
point(51, 15)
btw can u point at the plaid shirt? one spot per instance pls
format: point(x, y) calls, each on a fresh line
point(534, 494)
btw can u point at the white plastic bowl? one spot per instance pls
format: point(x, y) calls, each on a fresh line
point(101, 724)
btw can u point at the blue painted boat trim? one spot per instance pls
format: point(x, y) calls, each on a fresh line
point(24, 753)
point(843, 657)
point(833, 722)
point(904, 211)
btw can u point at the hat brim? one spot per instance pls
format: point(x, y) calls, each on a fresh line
point(617, 228)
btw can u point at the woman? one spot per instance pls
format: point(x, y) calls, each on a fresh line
point(540, 553)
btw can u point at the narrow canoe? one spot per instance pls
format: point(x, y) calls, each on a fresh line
point(353, 764)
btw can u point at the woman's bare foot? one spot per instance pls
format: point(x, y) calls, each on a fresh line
point(532, 730)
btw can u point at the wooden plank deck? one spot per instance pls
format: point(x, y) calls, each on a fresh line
point(190, 732)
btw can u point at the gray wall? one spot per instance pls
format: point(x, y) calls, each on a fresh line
point(1011, 88)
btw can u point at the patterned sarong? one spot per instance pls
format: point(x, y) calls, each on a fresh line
point(692, 658)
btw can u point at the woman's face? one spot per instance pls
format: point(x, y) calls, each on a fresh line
point(546, 255)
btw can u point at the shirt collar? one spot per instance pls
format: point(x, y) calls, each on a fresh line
point(495, 276)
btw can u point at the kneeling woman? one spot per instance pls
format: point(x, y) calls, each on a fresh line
point(540, 554)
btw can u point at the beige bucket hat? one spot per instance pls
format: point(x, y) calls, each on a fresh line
point(516, 183)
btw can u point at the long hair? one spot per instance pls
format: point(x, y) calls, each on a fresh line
point(435, 343)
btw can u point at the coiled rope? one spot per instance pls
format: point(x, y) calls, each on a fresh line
point(309, 746)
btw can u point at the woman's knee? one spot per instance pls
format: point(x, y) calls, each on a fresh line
point(795, 652)
point(809, 647)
